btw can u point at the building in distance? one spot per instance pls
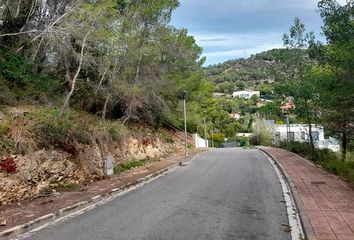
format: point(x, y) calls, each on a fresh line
point(246, 94)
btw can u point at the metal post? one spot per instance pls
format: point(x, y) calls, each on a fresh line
point(235, 139)
point(287, 127)
point(205, 132)
point(185, 125)
point(198, 128)
point(212, 137)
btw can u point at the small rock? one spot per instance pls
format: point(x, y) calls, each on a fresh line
point(3, 222)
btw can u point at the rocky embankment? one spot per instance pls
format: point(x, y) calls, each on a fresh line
point(39, 170)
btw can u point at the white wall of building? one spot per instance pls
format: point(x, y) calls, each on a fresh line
point(300, 133)
point(247, 94)
point(330, 143)
point(200, 142)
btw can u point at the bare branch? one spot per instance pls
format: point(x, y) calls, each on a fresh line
point(67, 99)
point(19, 33)
point(18, 9)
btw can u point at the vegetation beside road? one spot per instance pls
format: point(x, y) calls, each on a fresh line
point(92, 71)
point(330, 161)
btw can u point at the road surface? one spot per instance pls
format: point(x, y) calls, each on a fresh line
point(223, 194)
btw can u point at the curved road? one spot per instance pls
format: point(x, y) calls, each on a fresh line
point(223, 194)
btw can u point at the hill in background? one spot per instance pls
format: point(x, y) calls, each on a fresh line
point(259, 71)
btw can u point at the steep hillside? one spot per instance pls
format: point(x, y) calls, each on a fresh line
point(40, 151)
point(262, 68)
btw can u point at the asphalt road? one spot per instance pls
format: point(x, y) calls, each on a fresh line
point(223, 194)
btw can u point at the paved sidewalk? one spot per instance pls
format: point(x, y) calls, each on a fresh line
point(25, 211)
point(327, 201)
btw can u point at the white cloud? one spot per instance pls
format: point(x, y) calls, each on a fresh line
point(237, 41)
point(342, 2)
point(222, 47)
point(241, 53)
point(229, 29)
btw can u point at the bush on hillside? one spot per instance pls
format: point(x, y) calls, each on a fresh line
point(60, 133)
point(23, 79)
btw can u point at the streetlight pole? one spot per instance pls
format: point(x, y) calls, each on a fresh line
point(287, 128)
point(205, 132)
point(185, 125)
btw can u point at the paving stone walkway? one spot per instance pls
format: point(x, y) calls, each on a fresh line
point(327, 201)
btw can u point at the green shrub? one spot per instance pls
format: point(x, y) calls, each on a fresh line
point(119, 168)
point(218, 139)
point(242, 141)
point(164, 136)
point(6, 97)
point(332, 166)
point(55, 132)
point(65, 186)
point(300, 148)
point(347, 171)
point(4, 127)
point(116, 131)
point(44, 114)
point(6, 145)
point(22, 77)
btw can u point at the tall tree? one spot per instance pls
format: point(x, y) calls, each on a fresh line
point(337, 56)
point(300, 86)
point(86, 27)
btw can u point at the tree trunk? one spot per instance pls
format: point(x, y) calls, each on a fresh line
point(73, 82)
point(105, 107)
point(115, 72)
point(141, 45)
point(37, 49)
point(102, 79)
point(18, 9)
point(309, 122)
point(138, 67)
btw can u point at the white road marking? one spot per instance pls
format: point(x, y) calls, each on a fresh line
point(297, 232)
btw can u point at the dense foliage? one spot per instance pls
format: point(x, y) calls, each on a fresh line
point(115, 58)
point(324, 92)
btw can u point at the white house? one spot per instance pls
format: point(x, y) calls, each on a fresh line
point(300, 133)
point(247, 94)
point(235, 116)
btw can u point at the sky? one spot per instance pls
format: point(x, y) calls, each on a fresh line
point(230, 29)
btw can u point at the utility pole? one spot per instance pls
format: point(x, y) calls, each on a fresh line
point(205, 131)
point(185, 125)
point(235, 139)
point(212, 137)
point(198, 128)
point(287, 127)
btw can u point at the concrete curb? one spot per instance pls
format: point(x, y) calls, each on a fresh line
point(51, 217)
point(305, 222)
